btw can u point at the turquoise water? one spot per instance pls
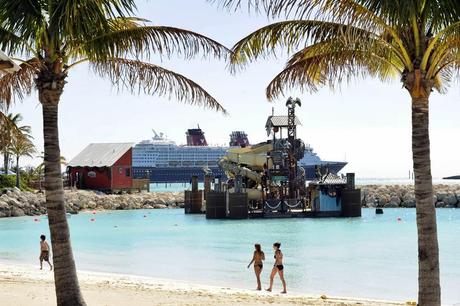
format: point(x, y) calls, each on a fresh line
point(373, 256)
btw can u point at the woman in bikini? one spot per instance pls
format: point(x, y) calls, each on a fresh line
point(277, 267)
point(258, 259)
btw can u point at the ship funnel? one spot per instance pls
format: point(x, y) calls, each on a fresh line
point(195, 137)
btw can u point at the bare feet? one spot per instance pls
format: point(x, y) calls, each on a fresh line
point(258, 288)
point(269, 289)
point(284, 292)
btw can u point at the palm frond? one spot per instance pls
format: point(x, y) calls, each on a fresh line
point(22, 17)
point(78, 19)
point(436, 41)
point(351, 13)
point(291, 35)
point(440, 13)
point(11, 43)
point(446, 51)
point(376, 48)
point(140, 77)
point(129, 37)
point(19, 84)
point(22, 145)
point(330, 68)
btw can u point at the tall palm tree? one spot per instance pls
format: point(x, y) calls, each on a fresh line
point(21, 145)
point(5, 125)
point(336, 41)
point(9, 131)
point(51, 37)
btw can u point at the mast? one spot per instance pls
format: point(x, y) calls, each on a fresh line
point(292, 136)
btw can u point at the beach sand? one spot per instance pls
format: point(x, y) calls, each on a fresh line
point(27, 285)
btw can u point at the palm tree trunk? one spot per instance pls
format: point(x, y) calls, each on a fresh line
point(428, 253)
point(17, 171)
point(6, 158)
point(65, 275)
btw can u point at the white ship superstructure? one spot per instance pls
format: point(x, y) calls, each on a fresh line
point(162, 160)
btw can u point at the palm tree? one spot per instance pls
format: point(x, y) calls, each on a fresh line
point(5, 125)
point(49, 38)
point(9, 131)
point(21, 145)
point(40, 169)
point(336, 41)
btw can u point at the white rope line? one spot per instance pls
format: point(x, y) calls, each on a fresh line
point(275, 207)
point(299, 203)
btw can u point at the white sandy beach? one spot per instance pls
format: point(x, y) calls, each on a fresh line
point(26, 285)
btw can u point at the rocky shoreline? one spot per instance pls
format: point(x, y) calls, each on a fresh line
point(15, 203)
point(393, 196)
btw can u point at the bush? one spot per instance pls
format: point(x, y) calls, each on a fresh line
point(9, 181)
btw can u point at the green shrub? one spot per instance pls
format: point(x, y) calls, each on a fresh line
point(9, 181)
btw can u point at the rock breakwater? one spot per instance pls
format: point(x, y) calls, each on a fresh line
point(14, 203)
point(444, 196)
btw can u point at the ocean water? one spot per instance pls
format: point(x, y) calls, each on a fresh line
point(162, 187)
point(374, 256)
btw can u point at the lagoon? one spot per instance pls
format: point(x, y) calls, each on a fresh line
point(374, 256)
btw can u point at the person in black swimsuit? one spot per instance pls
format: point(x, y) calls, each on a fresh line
point(257, 258)
point(277, 267)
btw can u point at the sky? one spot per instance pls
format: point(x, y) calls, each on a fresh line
point(366, 123)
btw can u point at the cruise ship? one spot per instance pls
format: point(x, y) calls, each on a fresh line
point(163, 161)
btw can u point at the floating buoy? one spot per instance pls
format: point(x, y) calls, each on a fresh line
point(92, 219)
point(399, 219)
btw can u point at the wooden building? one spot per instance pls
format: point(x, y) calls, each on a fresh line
point(102, 166)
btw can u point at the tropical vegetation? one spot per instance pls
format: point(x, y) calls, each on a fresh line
point(10, 129)
point(21, 145)
point(50, 38)
point(337, 41)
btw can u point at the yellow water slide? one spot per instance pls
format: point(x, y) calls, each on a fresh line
point(253, 157)
point(247, 162)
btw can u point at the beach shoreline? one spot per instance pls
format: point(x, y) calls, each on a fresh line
point(27, 285)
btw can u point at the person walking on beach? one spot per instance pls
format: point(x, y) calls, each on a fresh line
point(278, 267)
point(44, 252)
point(258, 259)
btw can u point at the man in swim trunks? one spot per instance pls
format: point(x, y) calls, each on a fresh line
point(44, 252)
